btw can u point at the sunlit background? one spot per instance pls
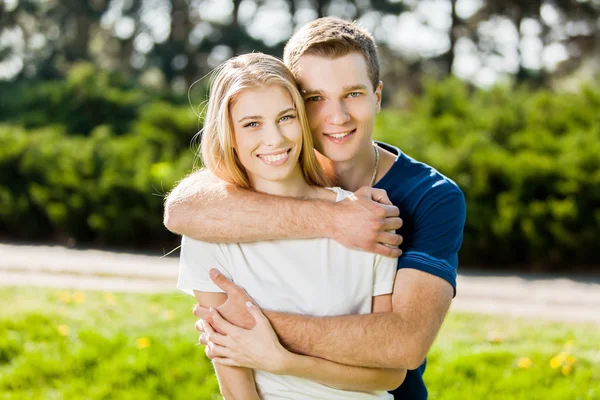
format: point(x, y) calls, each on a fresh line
point(483, 42)
point(98, 109)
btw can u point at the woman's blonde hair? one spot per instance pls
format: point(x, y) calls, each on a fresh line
point(250, 71)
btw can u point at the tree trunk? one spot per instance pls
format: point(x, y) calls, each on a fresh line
point(293, 10)
point(181, 26)
point(79, 44)
point(453, 35)
point(321, 5)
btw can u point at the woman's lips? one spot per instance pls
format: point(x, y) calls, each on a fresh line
point(275, 159)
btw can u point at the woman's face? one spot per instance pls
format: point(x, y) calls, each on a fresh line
point(267, 132)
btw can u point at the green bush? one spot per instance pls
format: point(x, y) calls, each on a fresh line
point(88, 98)
point(104, 188)
point(529, 164)
point(91, 159)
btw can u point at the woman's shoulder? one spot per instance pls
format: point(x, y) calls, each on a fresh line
point(341, 194)
point(189, 245)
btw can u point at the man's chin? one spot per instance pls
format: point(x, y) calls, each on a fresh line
point(337, 158)
point(333, 154)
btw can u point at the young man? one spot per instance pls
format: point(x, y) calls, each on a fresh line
point(337, 69)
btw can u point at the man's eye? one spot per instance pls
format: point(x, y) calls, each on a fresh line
point(313, 98)
point(251, 125)
point(354, 94)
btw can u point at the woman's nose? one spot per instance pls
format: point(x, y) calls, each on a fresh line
point(274, 137)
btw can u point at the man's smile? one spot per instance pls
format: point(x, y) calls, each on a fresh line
point(340, 137)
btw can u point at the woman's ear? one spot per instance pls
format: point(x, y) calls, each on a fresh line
point(233, 141)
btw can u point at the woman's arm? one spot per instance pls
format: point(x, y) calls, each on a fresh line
point(382, 303)
point(340, 376)
point(234, 382)
point(259, 348)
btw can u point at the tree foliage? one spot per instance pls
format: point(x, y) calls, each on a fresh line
point(185, 39)
point(528, 162)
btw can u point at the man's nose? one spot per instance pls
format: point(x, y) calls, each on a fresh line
point(337, 114)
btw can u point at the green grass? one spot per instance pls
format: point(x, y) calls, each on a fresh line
point(57, 344)
point(482, 357)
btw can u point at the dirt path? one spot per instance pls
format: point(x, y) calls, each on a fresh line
point(533, 296)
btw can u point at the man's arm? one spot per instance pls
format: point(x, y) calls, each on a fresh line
point(348, 377)
point(398, 339)
point(423, 291)
point(206, 208)
point(259, 348)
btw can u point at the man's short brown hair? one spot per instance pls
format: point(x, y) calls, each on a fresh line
point(332, 37)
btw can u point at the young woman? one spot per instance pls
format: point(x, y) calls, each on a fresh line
point(256, 135)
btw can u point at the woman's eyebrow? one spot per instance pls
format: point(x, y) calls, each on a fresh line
point(287, 110)
point(254, 117)
point(250, 117)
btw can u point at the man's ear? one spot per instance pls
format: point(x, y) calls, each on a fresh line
point(378, 94)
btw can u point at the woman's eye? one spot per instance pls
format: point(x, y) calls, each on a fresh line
point(251, 125)
point(286, 118)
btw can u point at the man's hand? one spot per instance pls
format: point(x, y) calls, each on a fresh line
point(367, 221)
point(234, 309)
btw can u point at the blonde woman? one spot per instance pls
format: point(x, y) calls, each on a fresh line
point(256, 135)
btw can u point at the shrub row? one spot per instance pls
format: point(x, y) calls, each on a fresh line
point(89, 159)
point(528, 162)
point(100, 189)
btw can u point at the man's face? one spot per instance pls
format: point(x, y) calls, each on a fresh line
point(341, 104)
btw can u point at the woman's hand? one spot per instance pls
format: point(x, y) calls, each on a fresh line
point(234, 308)
point(256, 348)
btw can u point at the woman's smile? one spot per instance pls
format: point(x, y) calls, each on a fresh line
point(276, 158)
point(268, 137)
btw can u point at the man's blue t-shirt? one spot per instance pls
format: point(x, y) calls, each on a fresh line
point(432, 208)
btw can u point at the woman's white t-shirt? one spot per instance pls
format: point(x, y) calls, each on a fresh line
point(316, 277)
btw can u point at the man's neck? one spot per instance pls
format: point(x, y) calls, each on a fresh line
point(351, 175)
point(356, 173)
